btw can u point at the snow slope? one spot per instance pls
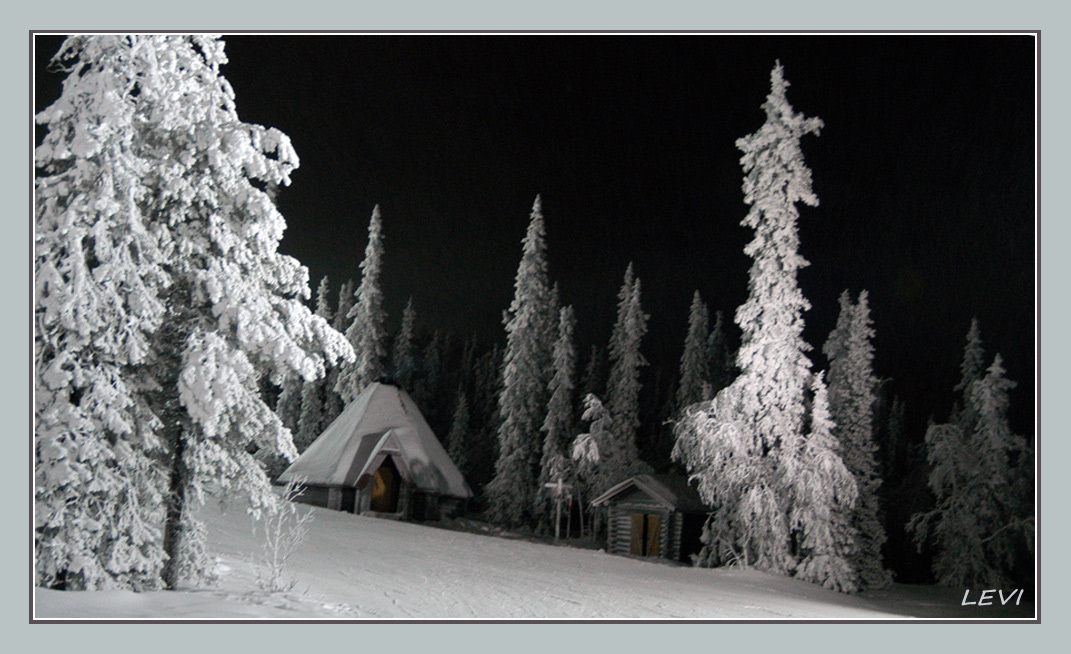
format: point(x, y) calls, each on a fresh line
point(361, 567)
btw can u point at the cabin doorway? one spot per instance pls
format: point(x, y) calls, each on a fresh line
point(385, 488)
point(646, 534)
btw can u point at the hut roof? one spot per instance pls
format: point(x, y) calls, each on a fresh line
point(382, 418)
point(672, 491)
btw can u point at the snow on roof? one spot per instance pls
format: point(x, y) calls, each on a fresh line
point(673, 491)
point(382, 418)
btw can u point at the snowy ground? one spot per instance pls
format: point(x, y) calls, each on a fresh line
point(356, 567)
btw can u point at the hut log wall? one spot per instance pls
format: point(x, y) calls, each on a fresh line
point(619, 525)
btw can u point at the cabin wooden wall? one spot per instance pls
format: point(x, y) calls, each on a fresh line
point(413, 504)
point(337, 498)
point(619, 524)
point(674, 549)
point(314, 495)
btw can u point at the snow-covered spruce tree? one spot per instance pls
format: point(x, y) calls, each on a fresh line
point(586, 446)
point(97, 272)
point(824, 495)
point(311, 421)
point(836, 345)
point(305, 416)
point(402, 360)
point(342, 319)
point(559, 425)
point(458, 440)
point(429, 386)
point(486, 385)
point(718, 372)
point(557, 306)
point(852, 396)
point(956, 526)
point(733, 446)
point(366, 333)
point(441, 382)
point(585, 453)
point(484, 418)
point(161, 302)
point(620, 456)
point(1000, 451)
point(972, 368)
point(660, 409)
point(978, 523)
point(332, 400)
point(950, 525)
point(466, 366)
point(594, 380)
point(323, 300)
point(525, 367)
point(694, 359)
point(288, 404)
point(323, 309)
point(896, 440)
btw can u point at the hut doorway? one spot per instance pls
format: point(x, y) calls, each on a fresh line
point(646, 534)
point(385, 488)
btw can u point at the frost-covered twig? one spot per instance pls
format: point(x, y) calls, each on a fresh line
point(285, 530)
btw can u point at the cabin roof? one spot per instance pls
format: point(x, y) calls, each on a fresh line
point(672, 491)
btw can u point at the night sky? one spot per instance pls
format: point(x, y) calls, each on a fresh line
point(925, 172)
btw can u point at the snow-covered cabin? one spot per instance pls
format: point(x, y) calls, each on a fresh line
point(380, 457)
point(658, 516)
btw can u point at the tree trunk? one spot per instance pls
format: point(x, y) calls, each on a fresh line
point(169, 343)
point(176, 502)
point(580, 511)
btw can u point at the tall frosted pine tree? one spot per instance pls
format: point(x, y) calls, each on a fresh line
point(332, 400)
point(403, 361)
point(429, 386)
point(824, 495)
point(288, 404)
point(1002, 509)
point(559, 425)
point(522, 403)
point(593, 382)
point(312, 421)
point(323, 300)
point(459, 439)
point(852, 396)
point(950, 526)
point(484, 416)
point(621, 458)
point(972, 368)
point(366, 333)
point(694, 362)
point(719, 369)
point(737, 445)
point(836, 345)
point(979, 524)
point(161, 305)
point(585, 452)
point(291, 398)
point(342, 319)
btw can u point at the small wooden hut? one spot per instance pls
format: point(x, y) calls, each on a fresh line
point(657, 516)
point(380, 457)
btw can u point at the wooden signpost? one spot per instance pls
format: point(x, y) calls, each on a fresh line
point(559, 490)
